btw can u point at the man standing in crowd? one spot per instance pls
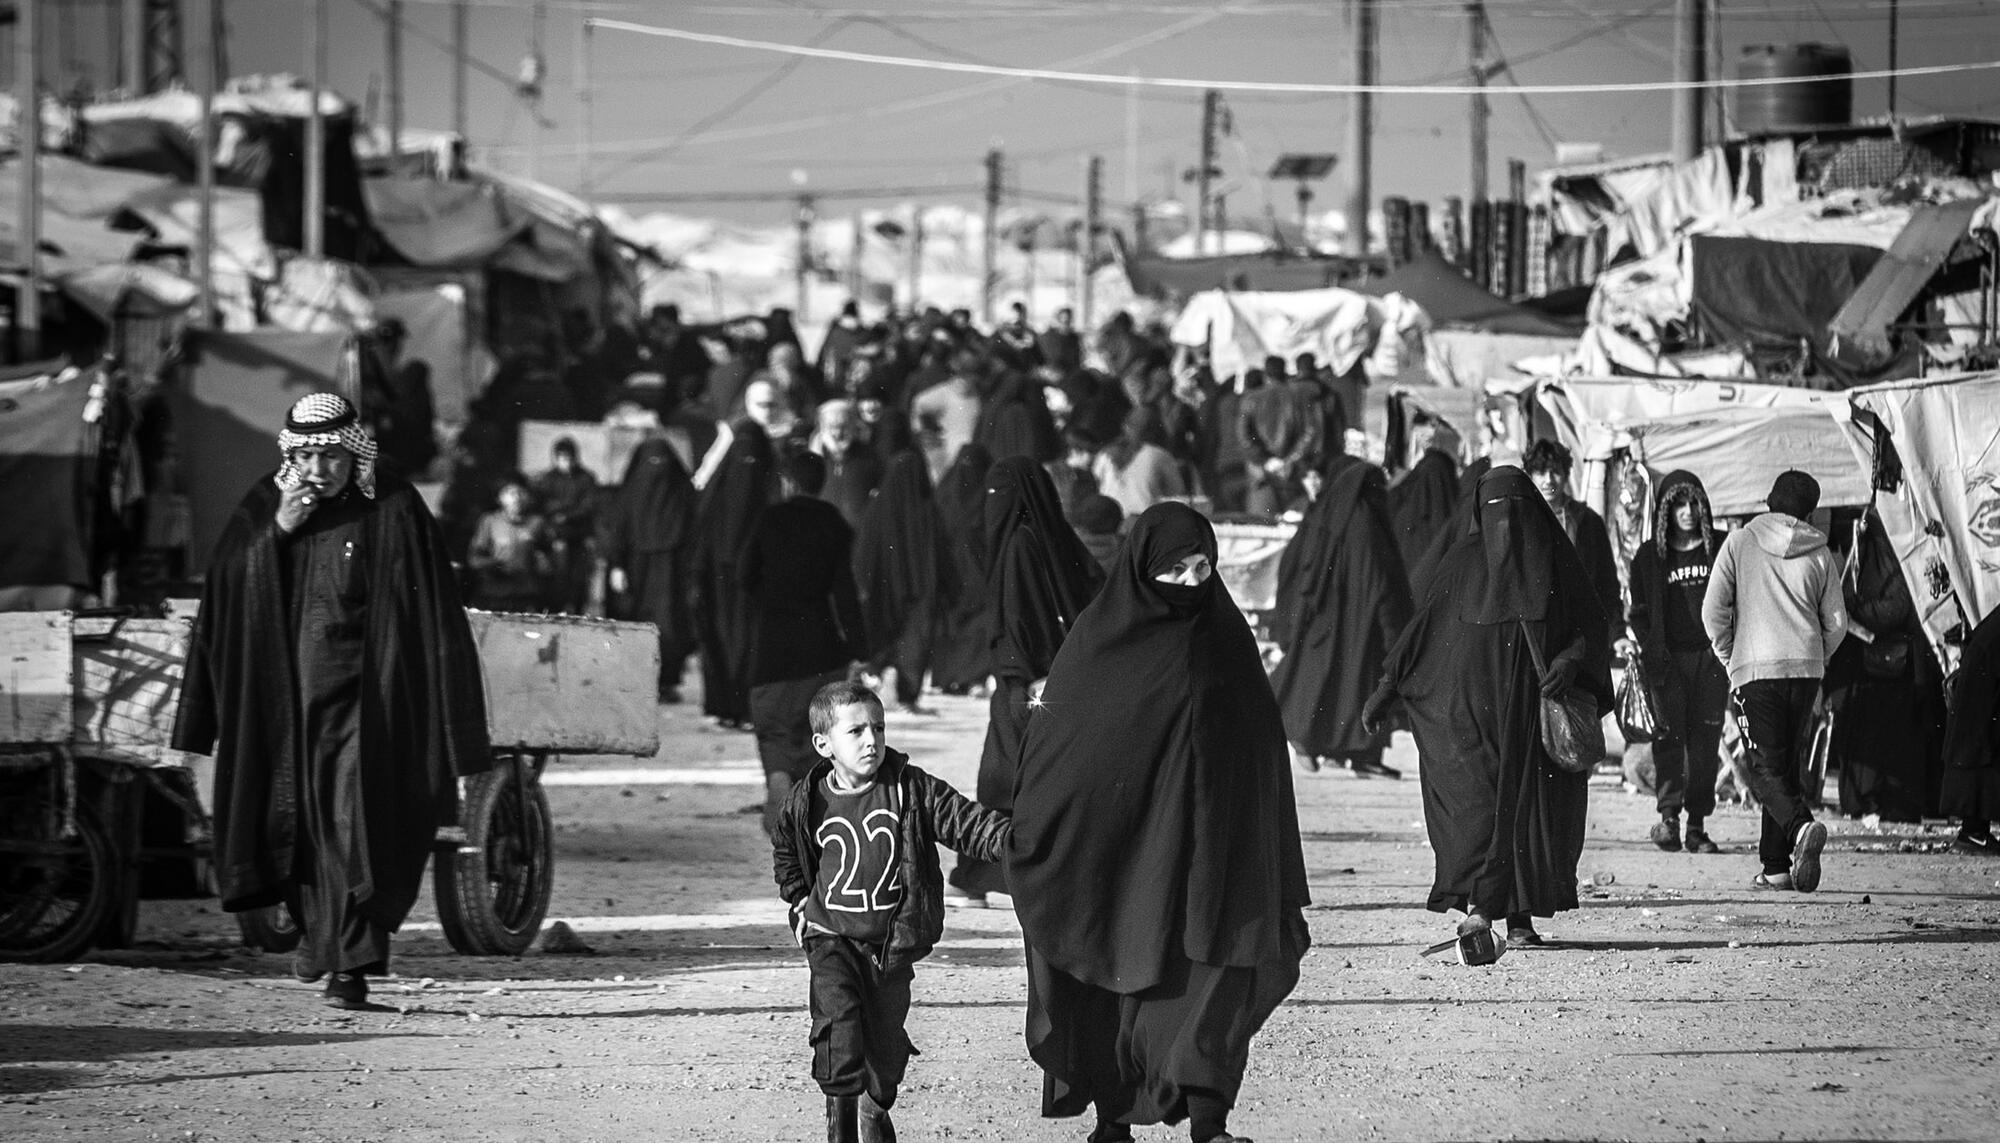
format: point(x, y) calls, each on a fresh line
point(1548, 464)
point(1282, 432)
point(333, 677)
point(567, 495)
point(1061, 345)
point(1775, 615)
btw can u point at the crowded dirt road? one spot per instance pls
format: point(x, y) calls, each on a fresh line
point(1680, 1004)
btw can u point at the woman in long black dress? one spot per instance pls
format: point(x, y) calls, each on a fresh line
point(1506, 826)
point(1342, 600)
point(1155, 859)
point(736, 495)
point(646, 541)
point(1039, 578)
point(904, 572)
point(962, 659)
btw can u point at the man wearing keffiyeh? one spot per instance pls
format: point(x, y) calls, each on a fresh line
point(333, 676)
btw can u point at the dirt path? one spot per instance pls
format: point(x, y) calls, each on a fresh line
point(1686, 1006)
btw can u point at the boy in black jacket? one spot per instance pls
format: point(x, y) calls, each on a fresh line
point(875, 906)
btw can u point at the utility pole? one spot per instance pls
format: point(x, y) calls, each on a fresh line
point(995, 167)
point(1204, 174)
point(133, 79)
point(1892, 58)
point(210, 76)
point(854, 253)
point(393, 50)
point(1477, 112)
point(315, 208)
point(1086, 242)
point(1360, 131)
point(1690, 68)
point(28, 226)
point(460, 47)
point(585, 113)
point(806, 218)
point(916, 253)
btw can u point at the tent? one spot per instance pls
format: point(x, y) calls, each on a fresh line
point(1453, 300)
point(1267, 272)
point(1340, 327)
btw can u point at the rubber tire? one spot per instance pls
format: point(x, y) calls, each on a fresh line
point(270, 929)
point(76, 936)
point(495, 864)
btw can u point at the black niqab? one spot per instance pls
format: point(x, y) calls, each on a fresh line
point(1039, 575)
point(900, 562)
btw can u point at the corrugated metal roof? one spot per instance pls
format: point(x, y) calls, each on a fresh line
point(1912, 260)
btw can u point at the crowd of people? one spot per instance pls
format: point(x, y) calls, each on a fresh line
point(923, 501)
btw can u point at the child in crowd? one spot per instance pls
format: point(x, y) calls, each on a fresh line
point(875, 906)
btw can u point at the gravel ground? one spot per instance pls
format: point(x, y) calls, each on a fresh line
point(1681, 1004)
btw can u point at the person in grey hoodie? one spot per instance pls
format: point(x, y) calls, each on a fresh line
point(1774, 615)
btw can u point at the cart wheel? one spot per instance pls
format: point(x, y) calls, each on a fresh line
point(270, 929)
point(55, 893)
point(493, 891)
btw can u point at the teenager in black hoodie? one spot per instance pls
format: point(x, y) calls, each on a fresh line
point(1690, 688)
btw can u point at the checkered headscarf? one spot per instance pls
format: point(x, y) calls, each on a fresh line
point(322, 419)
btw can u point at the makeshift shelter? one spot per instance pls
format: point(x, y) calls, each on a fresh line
point(1474, 335)
point(49, 441)
point(229, 408)
point(1934, 448)
point(1266, 272)
point(1339, 327)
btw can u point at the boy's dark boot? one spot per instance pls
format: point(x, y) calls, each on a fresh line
point(876, 1126)
point(840, 1119)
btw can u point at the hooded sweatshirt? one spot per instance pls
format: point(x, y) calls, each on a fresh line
point(1774, 608)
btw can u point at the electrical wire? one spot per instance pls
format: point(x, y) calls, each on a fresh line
point(1025, 73)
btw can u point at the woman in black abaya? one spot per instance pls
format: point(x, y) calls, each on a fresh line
point(1342, 600)
point(962, 658)
point(1506, 826)
point(1155, 860)
point(646, 538)
point(1039, 578)
point(903, 571)
point(736, 495)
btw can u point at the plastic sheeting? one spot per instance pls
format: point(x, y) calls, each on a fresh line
point(1944, 515)
point(442, 224)
point(47, 465)
point(1339, 327)
point(1468, 359)
point(1737, 453)
point(228, 412)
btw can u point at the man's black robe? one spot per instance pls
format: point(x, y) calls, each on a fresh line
point(333, 677)
point(1342, 601)
point(1506, 826)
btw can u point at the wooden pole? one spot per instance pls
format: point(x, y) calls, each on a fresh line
point(1360, 132)
point(1086, 242)
point(460, 49)
point(989, 245)
point(134, 54)
point(916, 254)
point(28, 227)
point(586, 126)
point(209, 77)
point(1690, 67)
point(1476, 110)
point(315, 206)
point(393, 50)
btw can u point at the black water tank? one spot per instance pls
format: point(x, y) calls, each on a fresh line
point(1823, 98)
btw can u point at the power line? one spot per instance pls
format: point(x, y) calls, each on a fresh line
point(1252, 85)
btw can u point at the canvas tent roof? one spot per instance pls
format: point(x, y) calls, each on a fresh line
point(1452, 299)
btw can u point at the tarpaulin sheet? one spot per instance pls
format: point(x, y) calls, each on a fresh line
point(46, 467)
point(1340, 327)
point(1774, 295)
point(437, 333)
point(1156, 277)
point(1452, 299)
point(1738, 452)
point(1468, 359)
point(229, 410)
point(442, 224)
point(1947, 435)
point(77, 202)
point(1590, 414)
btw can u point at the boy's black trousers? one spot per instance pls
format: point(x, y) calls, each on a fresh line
point(1777, 724)
point(858, 1012)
